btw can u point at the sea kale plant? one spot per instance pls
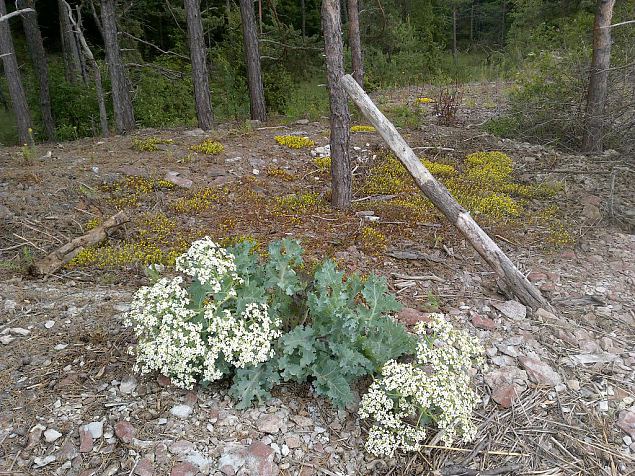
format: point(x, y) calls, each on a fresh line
point(432, 390)
point(230, 313)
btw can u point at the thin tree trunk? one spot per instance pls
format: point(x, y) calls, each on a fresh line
point(252, 58)
point(514, 280)
point(340, 119)
point(198, 55)
point(303, 8)
point(38, 57)
point(454, 50)
point(12, 73)
point(503, 20)
point(70, 51)
point(122, 103)
point(598, 84)
point(472, 24)
point(355, 42)
point(103, 117)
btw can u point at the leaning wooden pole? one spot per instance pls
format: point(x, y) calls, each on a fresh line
point(513, 279)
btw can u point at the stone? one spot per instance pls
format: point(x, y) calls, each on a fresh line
point(164, 381)
point(184, 469)
point(51, 435)
point(535, 277)
point(269, 424)
point(255, 459)
point(512, 310)
point(176, 179)
point(128, 385)
point(85, 440)
point(96, 429)
point(293, 442)
point(507, 384)
point(409, 316)
point(144, 467)
point(40, 462)
point(182, 447)
point(35, 434)
point(125, 431)
point(19, 331)
point(592, 212)
point(6, 339)
point(302, 122)
point(483, 322)
point(68, 451)
point(49, 324)
point(626, 421)
point(181, 411)
point(540, 372)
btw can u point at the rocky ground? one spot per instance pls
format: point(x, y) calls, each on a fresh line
point(558, 395)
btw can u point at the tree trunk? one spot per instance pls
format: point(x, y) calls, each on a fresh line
point(198, 55)
point(12, 73)
point(70, 50)
point(472, 23)
point(503, 20)
point(38, 57)
point(454, 50)
point(122, 103)
point(355, 42)
point(515, 281)
point(103, 117)
point(252, 58)
point(598, 84)
point(303, 8)
point(340, 119)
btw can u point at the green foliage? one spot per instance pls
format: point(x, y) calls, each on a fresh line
point(350, 334)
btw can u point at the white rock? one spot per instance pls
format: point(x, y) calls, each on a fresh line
point(603, 406)
point(20, 331)
point(39, 462)
point(49, 324)
point(51, 435)
point(181, 411)
point(7, 339)
point(284, 450)
point(255, 172)
point(95, 428)
point(60, 346)
point(512, 309)
point(128, 384)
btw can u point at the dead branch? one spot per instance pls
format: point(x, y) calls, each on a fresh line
point(514, 280)
point(63, 255)
point(16, 13)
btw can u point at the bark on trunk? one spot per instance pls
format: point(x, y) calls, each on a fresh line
point(103, 116)
point(340, 119)
point(70, 50)
point(198, 56)
point(252, 58)
point(12, 73)
point(443, 200)
point(38, 57)
point(355, 42)
point(122, 103)
point(598, 84)
point(303, 9)
point(472, 23)
point(454, 51)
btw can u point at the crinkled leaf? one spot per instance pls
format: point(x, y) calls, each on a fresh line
point(283, 256)
point(387, 340)
point(378, 299)
point(330, 382)
point(298, 353)
point(254, 383)
point(352, 363)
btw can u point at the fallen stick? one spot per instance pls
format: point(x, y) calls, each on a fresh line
point(58, 258)
point(514, 281)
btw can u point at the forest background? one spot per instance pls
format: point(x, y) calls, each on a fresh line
point(541, 49)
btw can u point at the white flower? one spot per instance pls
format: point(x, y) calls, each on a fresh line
point(435, 388)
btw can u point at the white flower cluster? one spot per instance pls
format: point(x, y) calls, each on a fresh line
point(434, 389)
point(186, 344)
point(209, 263)
point(168, 340)
point(242, 340)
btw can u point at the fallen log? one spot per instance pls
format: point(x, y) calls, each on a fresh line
point(514, 281)
point(63, 255)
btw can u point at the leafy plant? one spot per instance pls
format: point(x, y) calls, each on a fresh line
point(350, 334)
